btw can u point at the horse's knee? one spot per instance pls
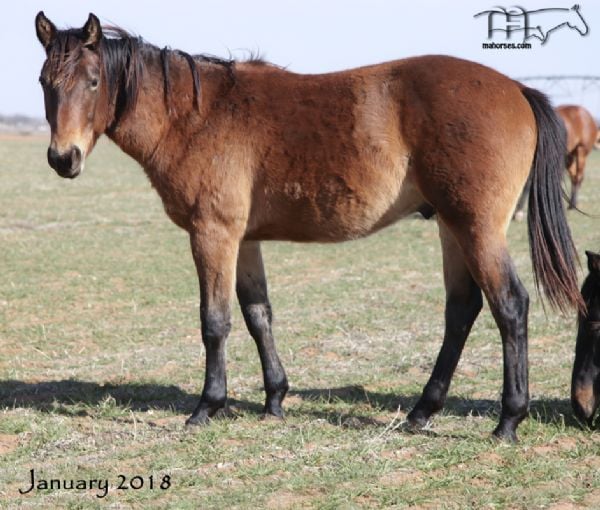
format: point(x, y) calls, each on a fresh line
point(258, 318)
point(216, 325)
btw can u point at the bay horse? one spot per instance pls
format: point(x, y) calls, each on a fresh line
point(582, 133)
point(243, 152)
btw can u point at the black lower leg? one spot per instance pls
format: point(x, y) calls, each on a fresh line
point(215, 328)
point(258, 320)
point(461, 312)
point(510, 312)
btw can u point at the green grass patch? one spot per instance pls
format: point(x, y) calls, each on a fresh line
point(101, 362)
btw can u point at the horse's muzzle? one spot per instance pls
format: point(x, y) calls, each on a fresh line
point(584, 400)
point(68, 164)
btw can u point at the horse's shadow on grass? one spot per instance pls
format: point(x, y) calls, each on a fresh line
point(73, 397)
point(57, 396)
point(549, 411)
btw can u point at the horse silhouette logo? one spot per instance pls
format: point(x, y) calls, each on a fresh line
point(538, 24)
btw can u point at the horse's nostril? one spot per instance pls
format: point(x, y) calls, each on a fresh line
point(53, 157)
point(75, 157)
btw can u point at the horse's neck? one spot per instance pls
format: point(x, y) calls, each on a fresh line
point(143, 130)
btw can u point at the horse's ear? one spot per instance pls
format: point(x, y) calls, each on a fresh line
point(593, 262)
point(45, 29)
point(92, 31)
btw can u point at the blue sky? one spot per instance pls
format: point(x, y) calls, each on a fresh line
point(306, 35)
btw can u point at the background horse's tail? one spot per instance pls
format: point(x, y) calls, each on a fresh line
point(553, 253)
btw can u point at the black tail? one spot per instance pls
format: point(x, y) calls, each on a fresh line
point(553, 253)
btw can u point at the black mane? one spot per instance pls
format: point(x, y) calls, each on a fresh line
point(191, 61)
point(122, 56)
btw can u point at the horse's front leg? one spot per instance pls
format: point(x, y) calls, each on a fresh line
point(215, 252)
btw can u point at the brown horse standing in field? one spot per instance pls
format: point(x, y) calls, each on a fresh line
point(246, 152)
point(582, 133)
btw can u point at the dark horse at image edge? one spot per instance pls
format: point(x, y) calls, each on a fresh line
point(243, 152)
point(585, 381)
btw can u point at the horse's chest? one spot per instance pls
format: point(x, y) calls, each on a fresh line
point(176, 196)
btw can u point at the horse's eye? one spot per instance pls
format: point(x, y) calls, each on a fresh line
point(94, 83)
point(42, 81)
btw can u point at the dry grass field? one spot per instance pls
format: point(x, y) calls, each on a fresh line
point(101, 362)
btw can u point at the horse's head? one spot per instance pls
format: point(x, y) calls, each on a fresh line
point(74, 96)
point(585, 384)
point(576, 20)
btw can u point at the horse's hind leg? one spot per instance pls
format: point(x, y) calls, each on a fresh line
point(576, 170)
point(492, 268)
point(463, 303)
point(252, 294)
point(486, 256)
point(509, 303)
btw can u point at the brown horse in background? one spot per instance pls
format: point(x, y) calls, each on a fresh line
point(246, 152)
point(582, 133)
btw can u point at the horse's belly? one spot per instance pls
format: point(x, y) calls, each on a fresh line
point(337, 209)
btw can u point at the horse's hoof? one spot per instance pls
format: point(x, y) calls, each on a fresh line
point(268, 417)
point(417, 420)
point(197, 421)
point(506, 435)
